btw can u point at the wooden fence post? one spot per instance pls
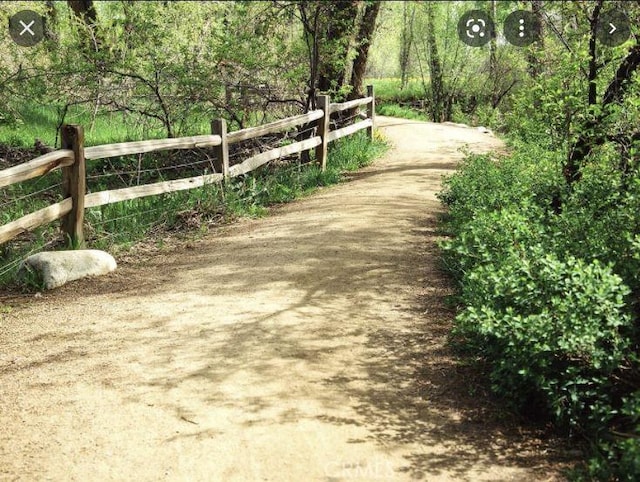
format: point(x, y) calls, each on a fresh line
point(74, 185)
point(219, 128)
point(323, 131)
point(371, 111)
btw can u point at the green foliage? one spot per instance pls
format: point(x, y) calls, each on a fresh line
point(550, 326)
point(548, 298)
point(485, 183)
point(164, 68)
point(394, 110)
point(618, 454)
point(390, 90)
point(600, 221)
point(31, 279)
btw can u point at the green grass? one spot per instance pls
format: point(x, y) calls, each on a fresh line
point(391, 100)
point(388, 90)
point(120, 225)
point(41, 122)
point(394, 110)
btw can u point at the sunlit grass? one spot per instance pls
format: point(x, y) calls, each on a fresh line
point(42, 122)
point(389, 89)
point(394, 110)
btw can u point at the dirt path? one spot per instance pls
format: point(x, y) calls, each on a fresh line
point(307, 346)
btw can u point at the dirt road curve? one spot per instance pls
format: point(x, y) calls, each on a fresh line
point(307, 346)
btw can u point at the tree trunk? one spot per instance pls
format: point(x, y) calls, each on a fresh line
point(493, 59)
point(51, 23)
point(341, 16)
point(85, 11)
point(593, 68)
point(406, 42)
point(364, 36)
point(435, 68)
point(310, 19)
point(533, 64)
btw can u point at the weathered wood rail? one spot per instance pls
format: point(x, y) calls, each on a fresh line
point(71, 159)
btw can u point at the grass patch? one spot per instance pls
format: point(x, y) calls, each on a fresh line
point(394, 110)
point(35, 121)
point(42, 121)
point(394, 101)
point(388, 90)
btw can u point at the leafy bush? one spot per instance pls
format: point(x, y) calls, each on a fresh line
point(601, 220)
point(551, 327)
point(483, 182)
point(549, 299)
point(488, 237)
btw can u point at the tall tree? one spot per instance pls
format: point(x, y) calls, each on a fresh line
point(328, 28)
point(593, 130)
point(366, 29)
point(493, 57)
point(51, 22)
point(406, 41)
point(435, 68)
point(533, 63)
point(340, 23)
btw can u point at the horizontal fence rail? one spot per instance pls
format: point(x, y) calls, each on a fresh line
point(347, 131)
point(273, 127)
point(140, 147)
point(350, 105)
point(37, 167)
point(35, 219)
point(101, 198)
point(260, 159)
point(71, 159)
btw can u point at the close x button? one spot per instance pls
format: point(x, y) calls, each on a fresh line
point(26, 28)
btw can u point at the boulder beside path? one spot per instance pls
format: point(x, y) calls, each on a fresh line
point(55, 268)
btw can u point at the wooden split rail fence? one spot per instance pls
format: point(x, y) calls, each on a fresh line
point(72, 156)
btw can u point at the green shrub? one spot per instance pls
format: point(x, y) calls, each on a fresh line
point(484, 183)
point(601, 220)
point(551, 327)
point(550, 299)
point(490, 236)
point(618, 454)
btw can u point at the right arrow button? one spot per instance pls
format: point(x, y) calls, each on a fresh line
point(613, 28)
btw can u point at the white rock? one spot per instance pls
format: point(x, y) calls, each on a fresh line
point(56, 268)
point(484, 130)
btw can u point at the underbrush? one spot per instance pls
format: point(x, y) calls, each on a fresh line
point(395, 110)
point(120, 225)
point(550, 300)
point(388, 90)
